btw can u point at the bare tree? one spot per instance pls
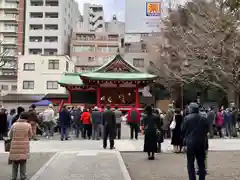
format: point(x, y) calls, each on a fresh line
point(199, 42)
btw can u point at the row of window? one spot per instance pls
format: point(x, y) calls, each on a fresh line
point(41, 3)
point(46, 26)
point(47, 52)
point(49, 85)
point(52, 64)
point(47, 15)
point(95, 49)
point(46, 38)
point(6, 87)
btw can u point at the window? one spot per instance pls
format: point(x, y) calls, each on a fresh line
point(83, 48)
point(36, 15)
point(52, 85)
point(35, 26)
point(67, 66)
point(4, 87)
point(51, 26)
point(29, 66)
point(28, 84)
point(138, 62)
point(14, 87)
point(91, 58)
point(53, 64)
point(51, 15)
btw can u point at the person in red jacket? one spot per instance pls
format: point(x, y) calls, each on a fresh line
point(87, 124)
point(133, 119)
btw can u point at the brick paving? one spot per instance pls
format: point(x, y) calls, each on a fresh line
point(168, 166)
point(36, 161)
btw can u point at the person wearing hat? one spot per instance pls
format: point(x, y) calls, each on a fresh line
point(195, 129)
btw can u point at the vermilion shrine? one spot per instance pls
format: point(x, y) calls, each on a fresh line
point(115, 83)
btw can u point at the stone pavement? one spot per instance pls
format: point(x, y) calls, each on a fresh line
point(36, 161)
point(222, 165)
point(121, 145)
point(85, 165)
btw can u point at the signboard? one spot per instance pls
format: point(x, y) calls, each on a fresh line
point(153, 8)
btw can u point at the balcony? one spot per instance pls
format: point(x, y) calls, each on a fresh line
point(9, 29)
point(9, 41)
point(9, 17)
point(9, 6)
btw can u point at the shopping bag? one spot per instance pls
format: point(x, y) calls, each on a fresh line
point(7, 145)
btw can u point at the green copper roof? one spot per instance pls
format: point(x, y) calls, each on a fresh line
point(118, 76)
point(71, 79)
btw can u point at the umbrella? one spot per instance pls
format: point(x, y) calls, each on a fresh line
point(43, 103)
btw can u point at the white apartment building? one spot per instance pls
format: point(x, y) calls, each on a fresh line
point(48, 26)
point(8, 36)
point(39, 74)
point(93, 18)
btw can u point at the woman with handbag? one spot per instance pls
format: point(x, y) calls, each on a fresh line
point(20, 133)
point(177, 140)
point(151, 127)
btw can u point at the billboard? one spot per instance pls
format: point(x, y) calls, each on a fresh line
point(144, 16)
point(153, 8)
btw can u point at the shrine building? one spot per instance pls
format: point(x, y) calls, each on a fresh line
point(115, 83)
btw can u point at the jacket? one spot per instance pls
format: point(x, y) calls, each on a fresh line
point(48, 115)
point(195, 129)
point(64, 118)
point(130, 120)
point(77, 116)
point(118, 115)
point(86, 118)
point(19, 111)
point(108, 118)
point(20, 133)
point(96, 117)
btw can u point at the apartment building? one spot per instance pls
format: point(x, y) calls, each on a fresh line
point(89, 50)
point(48, 26)
point(39, 74)
point(8, 37)
point(93, 18)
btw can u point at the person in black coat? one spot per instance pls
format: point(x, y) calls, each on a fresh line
point(3, 123)
point(20, 109)
point(177, 140)
point(65, 122)
point(109, 126)
point(195, 129)
point(150, 126)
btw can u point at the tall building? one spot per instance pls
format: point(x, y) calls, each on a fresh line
point(48, 26)
point(93, 18)
point(8, 37)
point(89, 50)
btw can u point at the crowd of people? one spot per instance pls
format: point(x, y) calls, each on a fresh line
point(189, 128)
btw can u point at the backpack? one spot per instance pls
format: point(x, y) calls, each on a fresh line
point(134, 116)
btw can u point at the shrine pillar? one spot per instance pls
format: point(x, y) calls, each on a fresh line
point(137, 98)
point(69, 96)
point(98, 97)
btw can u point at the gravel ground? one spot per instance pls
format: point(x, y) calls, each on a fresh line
point(36, 161)
point(167, 166)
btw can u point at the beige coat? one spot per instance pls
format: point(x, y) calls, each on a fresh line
point(20, 133)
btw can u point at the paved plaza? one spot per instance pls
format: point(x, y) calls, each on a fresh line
point(86, 159)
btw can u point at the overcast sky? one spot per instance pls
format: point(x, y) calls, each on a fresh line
point(110, 7)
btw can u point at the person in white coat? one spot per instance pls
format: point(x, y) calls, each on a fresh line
point(48, 121)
